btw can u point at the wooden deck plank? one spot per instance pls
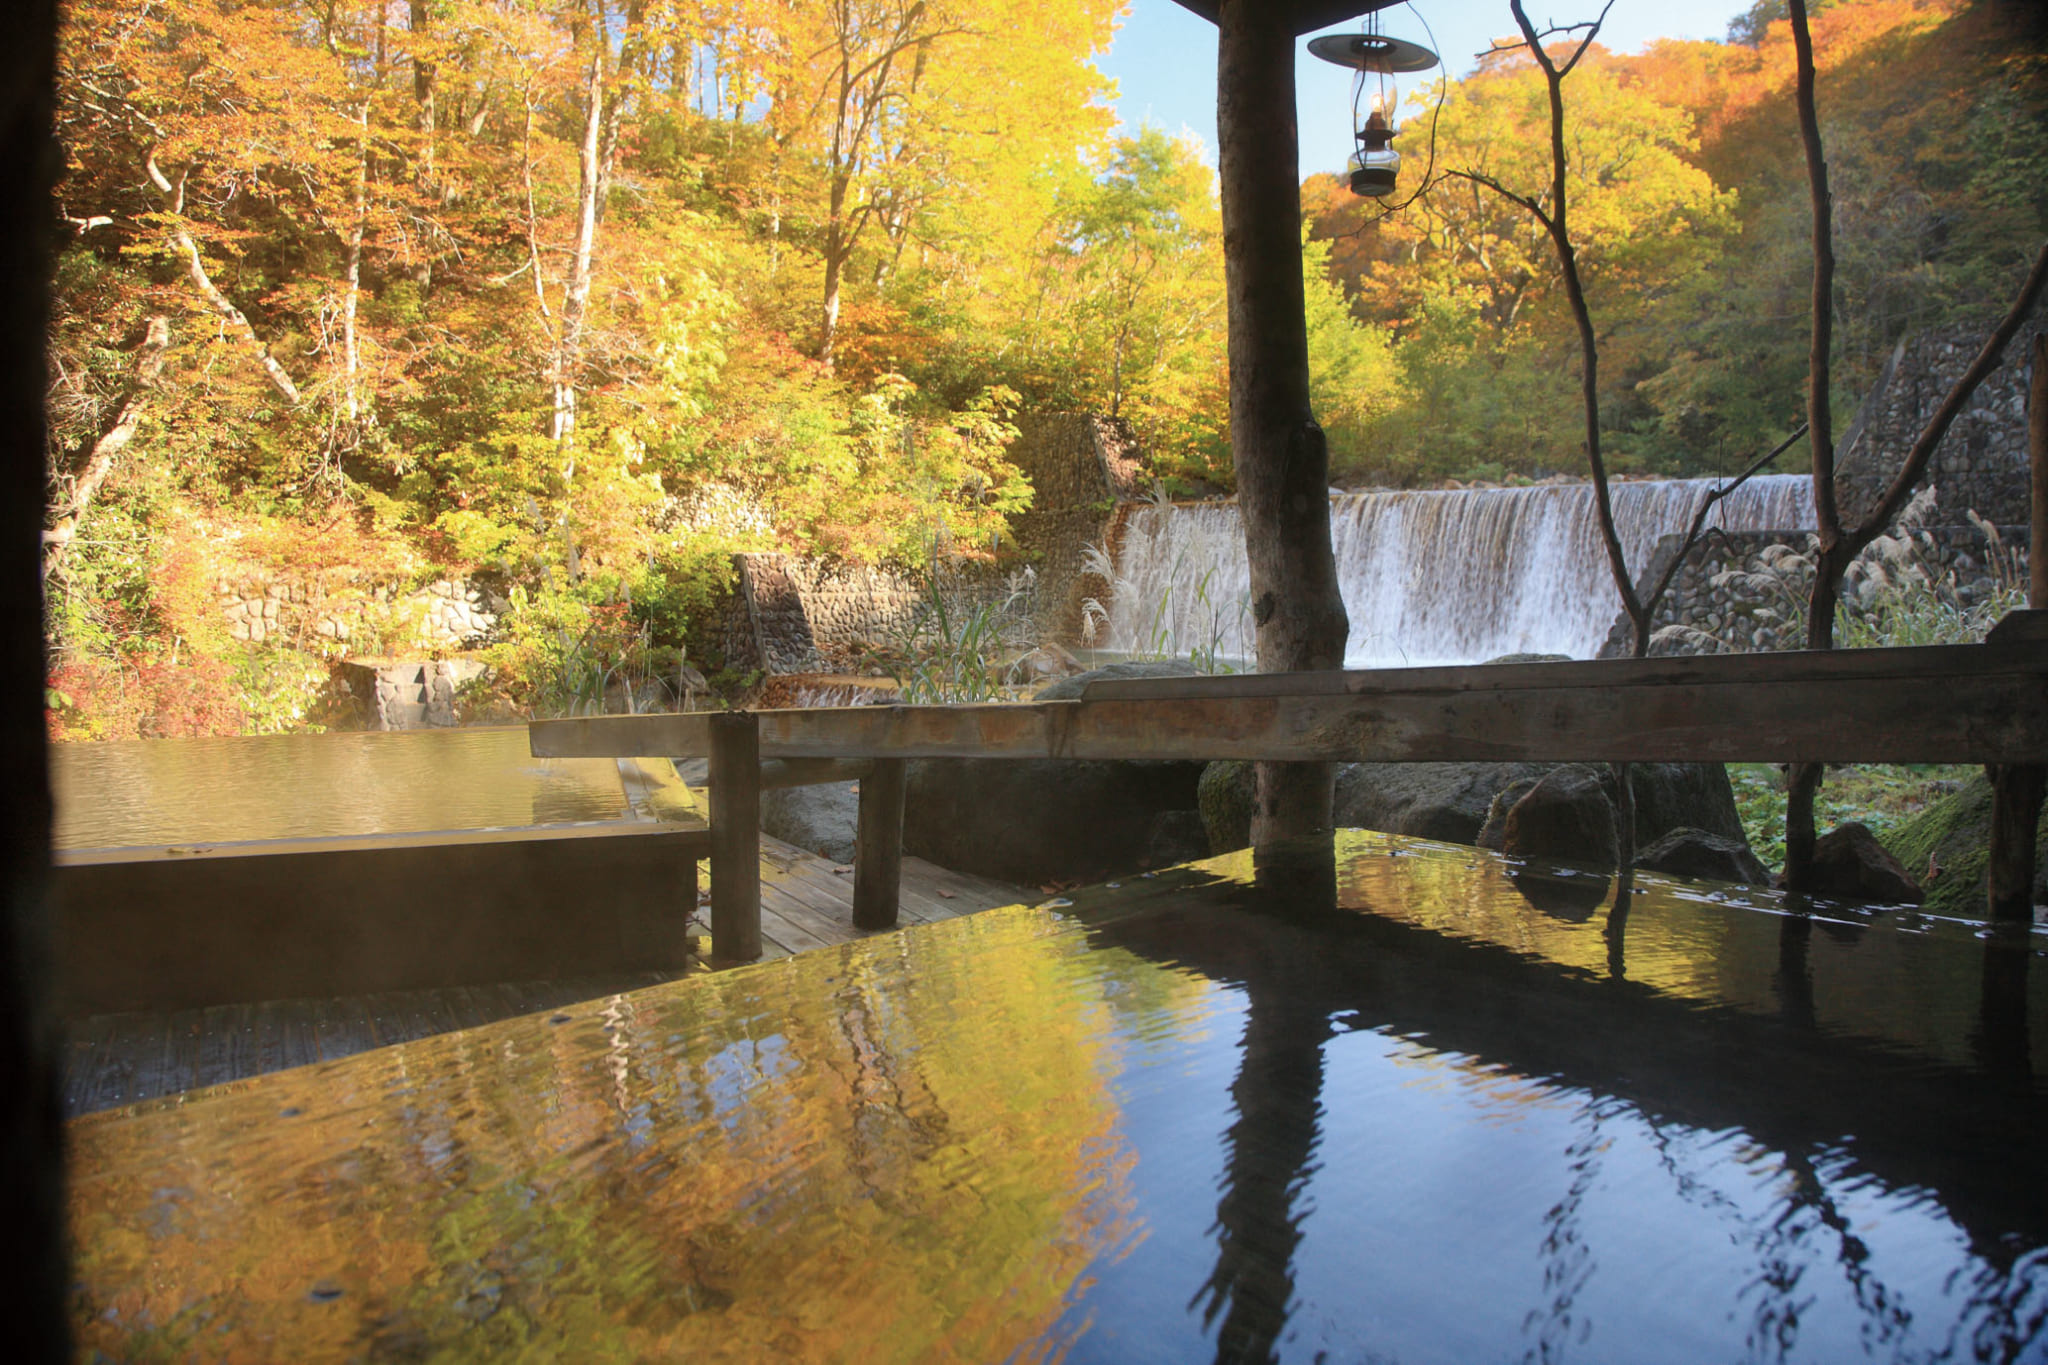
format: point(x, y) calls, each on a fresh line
point(181, 1052)
point(85, 1040)
point(217, 1024)
point(122, 1058)
point(830, 892)
point(792, 923)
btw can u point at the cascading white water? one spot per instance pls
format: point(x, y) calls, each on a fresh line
point(1455, 576)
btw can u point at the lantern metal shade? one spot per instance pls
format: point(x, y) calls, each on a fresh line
point(1372, 52)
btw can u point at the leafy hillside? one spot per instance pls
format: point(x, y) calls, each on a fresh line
point(576, 297)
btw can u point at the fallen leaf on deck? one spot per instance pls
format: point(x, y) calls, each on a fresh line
point(842, 869)
point(946, 895)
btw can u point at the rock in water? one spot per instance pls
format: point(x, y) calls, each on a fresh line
point(1467, 803)
point(1850, 863)
point(822, 818)
point(1039, 820)
point(1566, 816)
point(1688, 852)
point(1494, 832)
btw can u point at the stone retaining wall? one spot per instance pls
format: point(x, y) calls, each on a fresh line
point(408, 694)
point(789, 614)
point(1732, 620)
point(341, 609)
point(1981, 464)
point(1081, 467)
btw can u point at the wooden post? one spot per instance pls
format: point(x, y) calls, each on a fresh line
point(735, 837)
point(2017, 788)
point(1282, 464)
point(878, 855)
point(35, 1297)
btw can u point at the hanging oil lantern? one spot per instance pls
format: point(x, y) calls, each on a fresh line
point(1377, 59)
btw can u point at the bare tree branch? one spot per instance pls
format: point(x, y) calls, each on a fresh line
point(1699, 518)
point(195, 267)
point(99, 461)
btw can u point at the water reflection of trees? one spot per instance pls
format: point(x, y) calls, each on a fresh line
point(774, 1159)
point(1795, 1084)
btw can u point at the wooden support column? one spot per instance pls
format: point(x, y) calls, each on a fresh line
point(735, 837)
point(878, 855)
point(1277, 448)
point(2017, 788)
point(36, 1297)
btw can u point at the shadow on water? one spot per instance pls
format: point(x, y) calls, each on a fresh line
point(1838, 1101)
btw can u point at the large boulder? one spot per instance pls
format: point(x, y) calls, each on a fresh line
point(1444, 801)
point(1467, 803)
point(1849, 863)
point(823, 819)
point(1039, 820)
point(1566, 816)
point(1947, 847)
point(1688, 852)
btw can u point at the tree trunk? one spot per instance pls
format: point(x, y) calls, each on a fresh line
point(351, 354)
point(423, 89)
point(425, 83)
point(835, 273)
point(99, 461)
point(195, 269)
point(1804, 781)
point(1276, 445)
point(576, 294)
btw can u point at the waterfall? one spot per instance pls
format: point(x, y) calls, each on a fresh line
point(1453, 576)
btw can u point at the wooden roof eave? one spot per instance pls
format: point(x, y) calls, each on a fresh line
point(1302, 16)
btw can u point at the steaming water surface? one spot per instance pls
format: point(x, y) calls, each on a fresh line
point(1424, 1106)
point(128, 793)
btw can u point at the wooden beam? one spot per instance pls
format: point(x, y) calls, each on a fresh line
point(1943, 704)
point(1303, 16)
point(735, 834)
point(2016, 646)
point(780, 773)
point(878, 852)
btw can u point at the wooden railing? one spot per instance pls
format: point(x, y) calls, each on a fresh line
point(1982, 704)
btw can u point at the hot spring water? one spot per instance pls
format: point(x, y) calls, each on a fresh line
point(1454, 576)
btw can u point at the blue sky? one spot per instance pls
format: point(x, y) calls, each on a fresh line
point(1164, 58)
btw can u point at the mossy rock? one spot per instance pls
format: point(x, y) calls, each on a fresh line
point(1955, 834)
point(1225, 797)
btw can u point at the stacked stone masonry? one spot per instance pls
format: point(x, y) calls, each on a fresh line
point(407, 695)
point(1083, 468)
point(1739, 615)
point(1981, 464)
point(794, 615)
point(338, 608)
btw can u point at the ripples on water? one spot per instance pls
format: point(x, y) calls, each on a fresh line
point(1410, 1106)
